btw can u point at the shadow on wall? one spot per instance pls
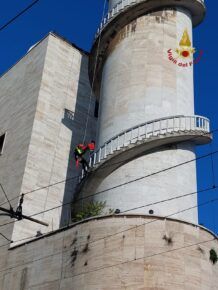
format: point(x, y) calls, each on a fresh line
point(76, 122)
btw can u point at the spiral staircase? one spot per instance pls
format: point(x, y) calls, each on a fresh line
point(140, 140)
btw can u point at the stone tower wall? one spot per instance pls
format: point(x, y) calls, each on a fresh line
point(139, 84)
point(115, 253)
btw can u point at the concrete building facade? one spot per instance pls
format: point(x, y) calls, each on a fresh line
point(43, 111)
point(143, 165)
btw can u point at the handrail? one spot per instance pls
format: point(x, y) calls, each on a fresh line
point(141, 124)
point(154, 128)
point(120, 6)
point(148, 129)
point(150, 122)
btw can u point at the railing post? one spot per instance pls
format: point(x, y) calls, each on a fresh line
point(138, 133)
point(94, 158)
point(180, 127)
point(174, 124)
point(111, 151)
point(130, 136)
point(146, 130)
point(105, 150)
point(124, 140)
point(122, 4)
point(99, 156)
point(90, 162)
point(167, 125)
point(118, 142)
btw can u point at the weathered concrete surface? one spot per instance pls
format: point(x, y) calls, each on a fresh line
point(44, 104)
point(115, 253)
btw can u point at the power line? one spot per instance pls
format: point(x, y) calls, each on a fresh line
point(144, 257)
point(74, 177)
point(152, 221)
point(44, 187)
point(114, 265)
point(128, 209)
point(6, 196)
point(18, 15)
point(157, 219)
point(134, 227)
point(5, 238)
point(148, 175)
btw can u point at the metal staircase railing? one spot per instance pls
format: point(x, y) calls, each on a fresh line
point(122, 5)
point(154, 128)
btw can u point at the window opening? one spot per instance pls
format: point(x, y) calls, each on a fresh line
point(2, 141)
point(96, 109)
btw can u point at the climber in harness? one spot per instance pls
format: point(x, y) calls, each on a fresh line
point(91, 147)
point(79, 151)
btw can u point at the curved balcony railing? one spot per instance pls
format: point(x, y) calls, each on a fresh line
point(169, 125)
point(122, 5)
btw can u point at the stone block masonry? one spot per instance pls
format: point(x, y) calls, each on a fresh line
point(115, 253)
point(44, 103)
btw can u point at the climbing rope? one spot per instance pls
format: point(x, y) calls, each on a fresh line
point(94, 73)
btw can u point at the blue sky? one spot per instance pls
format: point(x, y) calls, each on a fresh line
point(77, 20)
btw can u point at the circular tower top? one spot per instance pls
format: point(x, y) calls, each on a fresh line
point(122, 12)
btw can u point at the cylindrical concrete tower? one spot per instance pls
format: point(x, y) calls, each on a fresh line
point(145, 158)
point(144, 80)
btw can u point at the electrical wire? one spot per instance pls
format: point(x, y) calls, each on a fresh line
point(5, 195)
point(18, 15)
point(154, 173)
point(134, 227)
point(142, 258)
point(1, 234)
point(157, 219)
point(148, 175)
point(109, 266)
point(170, 215)
point(44, 187)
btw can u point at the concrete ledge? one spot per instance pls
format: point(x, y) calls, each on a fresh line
point(112, 216)
point(192, 6)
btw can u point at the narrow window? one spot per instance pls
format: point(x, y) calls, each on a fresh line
point(96, 109)
point(2, 141)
